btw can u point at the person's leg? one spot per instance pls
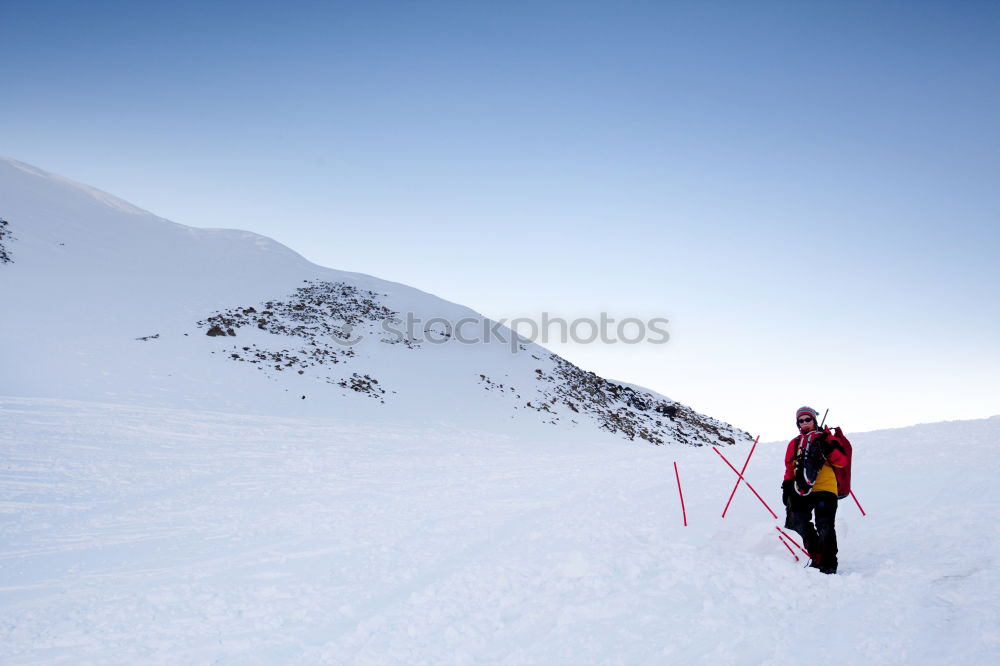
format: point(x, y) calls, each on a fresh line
point(826, 513)
point(800, 517)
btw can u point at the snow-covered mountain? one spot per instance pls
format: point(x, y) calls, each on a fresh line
point(105, 301)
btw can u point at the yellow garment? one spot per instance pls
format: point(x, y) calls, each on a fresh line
point(826, 480)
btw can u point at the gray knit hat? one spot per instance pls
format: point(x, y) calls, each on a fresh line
point(807, 410)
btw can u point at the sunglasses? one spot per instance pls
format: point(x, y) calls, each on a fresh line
point(807, 419)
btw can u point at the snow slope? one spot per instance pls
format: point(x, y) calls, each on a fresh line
point(104, 301)
point(163, 536)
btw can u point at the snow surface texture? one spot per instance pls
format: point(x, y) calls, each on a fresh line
point(107, 302)
point(158, 536)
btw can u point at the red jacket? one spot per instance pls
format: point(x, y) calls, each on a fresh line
point(830, 477)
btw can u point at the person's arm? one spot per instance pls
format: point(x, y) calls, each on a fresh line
point(786, 482)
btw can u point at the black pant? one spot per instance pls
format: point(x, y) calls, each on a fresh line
point(820, 540)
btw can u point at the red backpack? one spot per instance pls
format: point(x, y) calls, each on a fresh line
point(838, 440)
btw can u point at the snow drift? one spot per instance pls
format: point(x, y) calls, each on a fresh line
point(161, 536)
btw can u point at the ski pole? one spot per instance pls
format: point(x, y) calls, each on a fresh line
point(788, 547)
point(741, 474)
point(858, 503)
point(788, 536)
point(824, 419)
point(773, 514)
point(679, 492)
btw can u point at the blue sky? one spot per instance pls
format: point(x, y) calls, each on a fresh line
point(808, 191)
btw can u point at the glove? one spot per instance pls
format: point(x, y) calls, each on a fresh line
point(786, 493)
point(828, 444)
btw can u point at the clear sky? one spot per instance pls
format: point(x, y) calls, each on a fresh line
point(809, 191)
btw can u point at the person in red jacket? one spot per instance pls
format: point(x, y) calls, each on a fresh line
point(820, 540)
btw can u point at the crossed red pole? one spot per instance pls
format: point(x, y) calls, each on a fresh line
point(789, 537)
point(747, 462)
point(773, 514)
point(783, 543)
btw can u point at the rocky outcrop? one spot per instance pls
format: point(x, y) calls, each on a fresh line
point(317, 326)
point(317, 323)
point(565, 391)
point(5, 237)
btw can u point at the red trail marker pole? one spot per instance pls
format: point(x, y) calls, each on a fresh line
point(858, 503)
point(782, 540)
point(789, 537)
point(773, 514)
point(742, 471)
point(681, 493)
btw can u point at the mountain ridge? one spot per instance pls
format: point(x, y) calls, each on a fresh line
point(108, 300)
